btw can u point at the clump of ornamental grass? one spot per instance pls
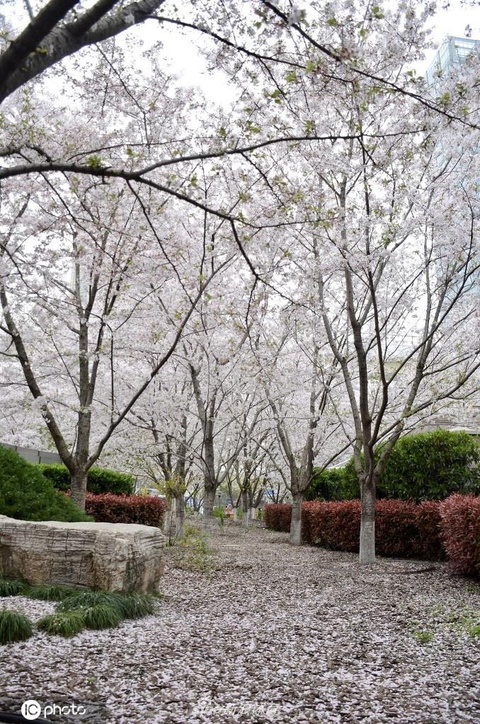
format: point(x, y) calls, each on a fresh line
point(128, 605)
point(10, 587)
point(137, 605)
point(62, 623)
point(45, 592)
point(14, 627)
point(101, 616)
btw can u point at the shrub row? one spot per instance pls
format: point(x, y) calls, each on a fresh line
point(100, 480)
point(431, 530)
point(110, 508)
point(460, 520)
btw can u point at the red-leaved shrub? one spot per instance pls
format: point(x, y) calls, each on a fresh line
point(395, 528)
point(403, 529)
point(334, 525)
point(278, 516)
point(460, 522)
point(429, 540)
point(140, 509)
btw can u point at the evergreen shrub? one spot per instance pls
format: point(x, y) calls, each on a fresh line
point(422, 466)
point(334, 484)
point(432, 466)
point(110, 508)
point(460, 520)
point(25, 494)
point(100, 480)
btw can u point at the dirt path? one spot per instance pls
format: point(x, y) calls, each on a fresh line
point(259, 631)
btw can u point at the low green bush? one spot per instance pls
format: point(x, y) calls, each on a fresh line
point(129, 605)
point(25, 494)
point(14, 627)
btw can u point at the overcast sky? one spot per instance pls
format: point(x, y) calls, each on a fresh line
point(191, 67)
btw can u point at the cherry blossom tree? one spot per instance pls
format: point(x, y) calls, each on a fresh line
point(57, 29)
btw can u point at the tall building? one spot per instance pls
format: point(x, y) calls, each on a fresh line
point(451, 54)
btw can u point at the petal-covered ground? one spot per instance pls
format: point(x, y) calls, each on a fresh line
point(260, 631)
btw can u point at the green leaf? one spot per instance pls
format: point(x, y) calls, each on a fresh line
point(291, 76)
point(94, 162)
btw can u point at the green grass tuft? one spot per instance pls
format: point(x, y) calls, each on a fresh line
point(45, 592)
point(137, 605)
point(62, 623)
point(10, 587)
point(101, 616)
point(14, 627)
point(86, 599)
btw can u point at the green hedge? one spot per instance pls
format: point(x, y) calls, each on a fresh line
point(425, 466)
point(26, 494)
point(100, 480)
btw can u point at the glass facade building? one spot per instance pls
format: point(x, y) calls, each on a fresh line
point(452, 53)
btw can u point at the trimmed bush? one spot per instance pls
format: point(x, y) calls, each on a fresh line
point(14, 627)
point(424, 466)
point(278, 516)
point(460, 520)
point(100, 480)
point(25, 494)
point(395, 528)
point(429, 539)
point(334, 525)
point(403, 529)
point(126, 509)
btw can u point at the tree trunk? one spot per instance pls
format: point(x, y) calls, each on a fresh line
point(296, 524)
point(367, 522)
point(209, 501)
point(79, 487)
point(179, 515)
